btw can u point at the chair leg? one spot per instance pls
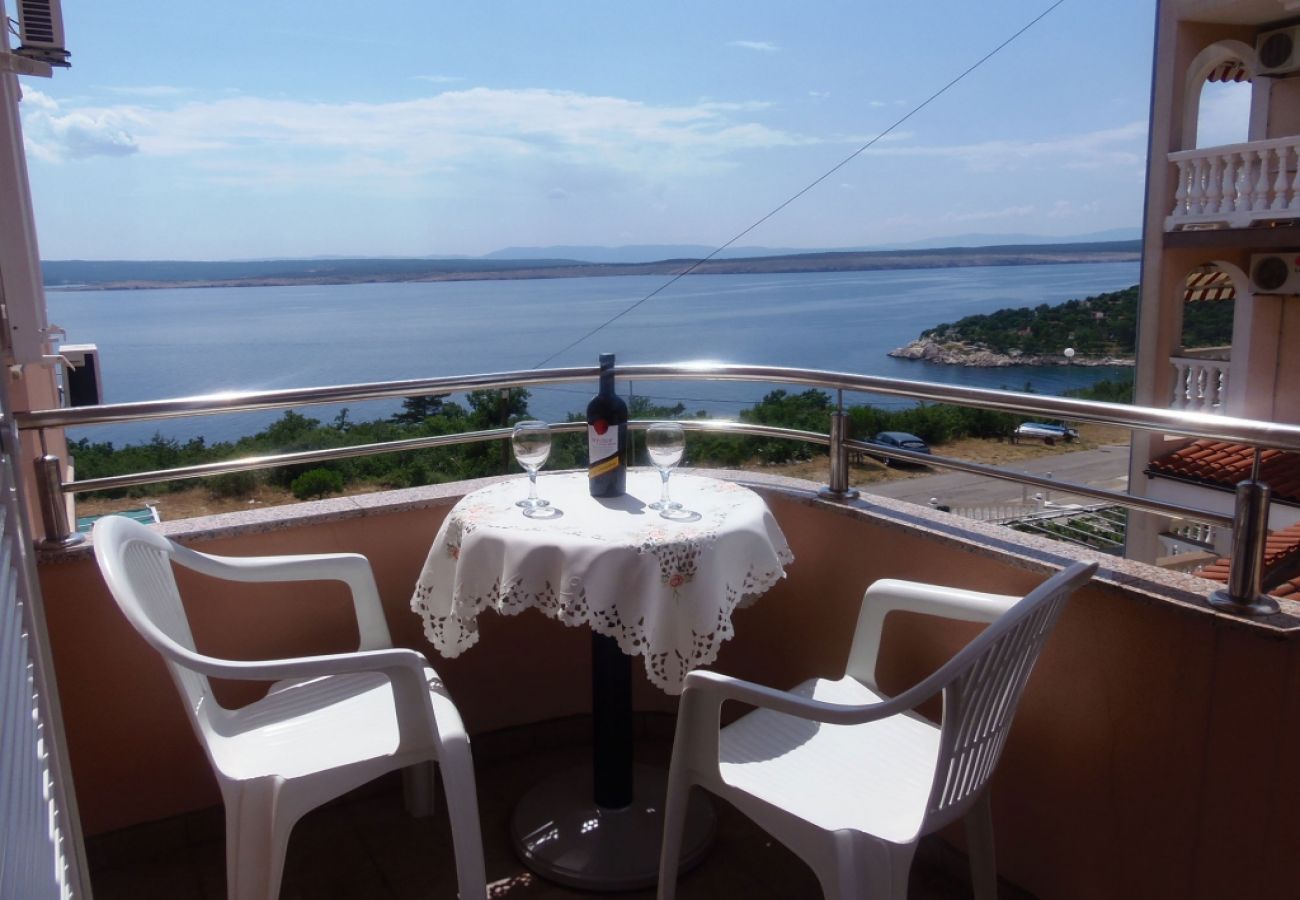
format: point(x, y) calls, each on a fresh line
point(979, 847)
point(420, 789)
point(675, 806)
point(854, 866)
point(256, 841)
point(462, 811)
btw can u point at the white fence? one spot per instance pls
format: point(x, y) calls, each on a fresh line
point(1236, 185)
point(1200, 385)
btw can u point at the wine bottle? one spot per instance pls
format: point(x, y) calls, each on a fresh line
point(607, 436)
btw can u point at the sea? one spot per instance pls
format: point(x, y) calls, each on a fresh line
point(179, 342)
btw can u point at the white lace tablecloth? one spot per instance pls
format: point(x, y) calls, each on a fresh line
point(664, 589)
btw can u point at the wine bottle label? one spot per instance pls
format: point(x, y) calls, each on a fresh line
point(602, 444)
point(600, 468)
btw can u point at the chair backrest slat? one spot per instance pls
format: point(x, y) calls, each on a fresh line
point(979, 704)
point(137, 565)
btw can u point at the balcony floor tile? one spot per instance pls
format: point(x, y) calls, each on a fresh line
point(365, 846)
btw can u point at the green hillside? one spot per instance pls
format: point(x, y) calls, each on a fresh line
point(1104, 325)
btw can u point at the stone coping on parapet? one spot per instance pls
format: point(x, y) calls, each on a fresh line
point(1141, 581)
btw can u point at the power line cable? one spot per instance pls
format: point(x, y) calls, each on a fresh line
point(827, 174)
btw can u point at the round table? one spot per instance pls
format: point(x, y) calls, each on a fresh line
point(662, 589)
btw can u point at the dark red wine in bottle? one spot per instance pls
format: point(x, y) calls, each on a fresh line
point(607, 436)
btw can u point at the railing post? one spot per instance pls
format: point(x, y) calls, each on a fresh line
point(1249, 532)
point(839, 489)
point(54, 510)
point(503, 413)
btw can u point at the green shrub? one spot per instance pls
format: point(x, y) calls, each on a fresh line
point(316, 483)
point(233, 484)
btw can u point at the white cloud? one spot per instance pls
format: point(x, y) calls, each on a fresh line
point(1108, 148)
point(1066, 209)
point(1008, 212)
point(1224, 114)
point(53, 135)
point(148, 90)
point(764, 46)
point(254, 139)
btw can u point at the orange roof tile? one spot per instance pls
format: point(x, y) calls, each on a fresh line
point(1224, 464)
point(1281, 546)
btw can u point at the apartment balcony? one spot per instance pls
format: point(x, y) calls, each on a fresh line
point(1201, 379)
point(1154, 730)
point(1236, 185)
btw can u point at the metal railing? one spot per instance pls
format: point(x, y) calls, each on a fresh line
point(1249, 520)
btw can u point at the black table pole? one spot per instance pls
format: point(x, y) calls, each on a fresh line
point(611, 714)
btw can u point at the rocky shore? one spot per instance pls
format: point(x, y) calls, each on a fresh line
point(961, 353)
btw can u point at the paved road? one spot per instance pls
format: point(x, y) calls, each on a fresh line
point(1105, 467)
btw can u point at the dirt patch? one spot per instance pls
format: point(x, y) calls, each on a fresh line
point(199, 500)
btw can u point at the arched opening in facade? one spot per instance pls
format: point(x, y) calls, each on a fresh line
point(1202, 360)
point(1219, 93)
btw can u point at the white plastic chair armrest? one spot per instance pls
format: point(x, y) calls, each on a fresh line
point(352, 569)
point(404, 669)
point(892, 595)
point(709, 690)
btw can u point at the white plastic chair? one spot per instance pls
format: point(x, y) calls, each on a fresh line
point(336, 722)
point(849, 778)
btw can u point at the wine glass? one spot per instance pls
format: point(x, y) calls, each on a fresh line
point(531, 441)
point(665, 441)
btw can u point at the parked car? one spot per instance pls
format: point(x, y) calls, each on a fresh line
point(898, 440)
point(1048, 434)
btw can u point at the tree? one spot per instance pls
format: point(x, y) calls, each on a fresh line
point(416, 409)
point(488, 410)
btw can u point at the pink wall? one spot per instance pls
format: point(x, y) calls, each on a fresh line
point(1148, 759)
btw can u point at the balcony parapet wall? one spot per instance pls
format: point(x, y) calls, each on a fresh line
point(1236, 185)
point(1153, 724)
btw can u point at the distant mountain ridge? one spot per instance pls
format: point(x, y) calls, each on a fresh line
point(635, 253)
point(142, 274)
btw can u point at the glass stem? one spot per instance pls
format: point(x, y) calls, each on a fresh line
point(532, 484)
point(663, 497)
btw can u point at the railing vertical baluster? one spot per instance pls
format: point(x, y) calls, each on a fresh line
point(503, 412)
point(1185, 175)
point(1227, 186)
point(1295, 184)
point(1249, 533)
point(1259, 190)
point(838, 488)
point(1179, 398)
point(1209, 189)
point(54, 508)
point(1279, 184)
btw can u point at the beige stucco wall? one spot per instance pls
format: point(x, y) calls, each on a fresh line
point(1152, 733)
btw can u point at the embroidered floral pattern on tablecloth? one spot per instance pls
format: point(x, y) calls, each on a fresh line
point(489, 556)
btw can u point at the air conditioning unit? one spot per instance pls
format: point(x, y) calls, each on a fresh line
point(40, 32)
point(1279, 51)
point(81, 381)
point(1275, 273)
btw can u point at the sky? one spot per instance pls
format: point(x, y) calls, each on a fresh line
point(239, 129)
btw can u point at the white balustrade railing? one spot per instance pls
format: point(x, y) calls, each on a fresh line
point(1201, 533)
point(1236, 185)
point(1200, 385)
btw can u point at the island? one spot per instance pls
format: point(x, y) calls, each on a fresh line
point(1101, 330)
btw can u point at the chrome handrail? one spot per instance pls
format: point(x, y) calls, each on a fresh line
point(329, 454)
point(1168, 421)
point(1178, 422)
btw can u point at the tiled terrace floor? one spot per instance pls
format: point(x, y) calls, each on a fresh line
point(365, 847)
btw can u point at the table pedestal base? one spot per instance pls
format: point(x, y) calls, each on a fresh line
point(562, 835)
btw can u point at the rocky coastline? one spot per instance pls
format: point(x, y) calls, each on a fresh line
point(962, 353)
